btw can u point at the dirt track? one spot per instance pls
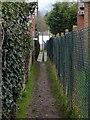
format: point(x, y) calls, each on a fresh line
point(43, 103)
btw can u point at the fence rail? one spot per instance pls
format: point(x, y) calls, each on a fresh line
point(71, 56)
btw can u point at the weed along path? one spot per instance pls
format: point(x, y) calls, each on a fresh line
point(43, 104)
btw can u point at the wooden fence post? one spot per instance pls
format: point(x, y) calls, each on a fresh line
point(62, 34)
point(74, 27)
point(66, 31)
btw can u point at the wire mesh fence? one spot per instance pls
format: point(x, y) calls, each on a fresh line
point(0, 70)
point(71, 56)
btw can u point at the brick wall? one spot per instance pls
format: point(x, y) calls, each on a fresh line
point(84, 20)
point(80, 21)
point(32, 28)
point(80, 18)
point(87, 15)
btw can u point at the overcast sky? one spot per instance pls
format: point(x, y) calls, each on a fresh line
point(46, 5)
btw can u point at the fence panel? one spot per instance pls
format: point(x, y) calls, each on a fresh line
point(1, 41)
point(71, 56)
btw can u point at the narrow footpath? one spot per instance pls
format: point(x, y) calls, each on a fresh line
point(43, 103)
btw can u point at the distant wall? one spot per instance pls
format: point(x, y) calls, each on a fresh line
point(80, 21)
point(45, 38)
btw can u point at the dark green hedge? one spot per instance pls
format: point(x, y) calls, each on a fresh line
point(37, 48)
point(16, 52)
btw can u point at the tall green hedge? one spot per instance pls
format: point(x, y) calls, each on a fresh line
point(37, 48)
point(15, 52)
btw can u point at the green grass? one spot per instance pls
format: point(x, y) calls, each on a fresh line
point(82, 91)
point(43, 50)
point(22, 104)
point(61, 100)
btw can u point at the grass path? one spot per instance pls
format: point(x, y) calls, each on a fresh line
point(43, 103)
point(22, 104)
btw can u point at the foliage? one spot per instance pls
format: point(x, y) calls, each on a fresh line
point(61, 99)
point(63, 16)
point(41, 22)
point(43, 50)
point(16, 52)
point(23, 103)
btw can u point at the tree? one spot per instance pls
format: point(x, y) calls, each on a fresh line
point(41, 24)
point(62, 16)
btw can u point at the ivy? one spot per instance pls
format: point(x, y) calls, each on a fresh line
point(16, 52)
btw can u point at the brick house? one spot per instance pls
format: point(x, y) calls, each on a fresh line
point(32, 19)
point(80, 15)
point(83, 14)
point(33, 26)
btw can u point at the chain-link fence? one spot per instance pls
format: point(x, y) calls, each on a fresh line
point(1, 41)
point(71, 56)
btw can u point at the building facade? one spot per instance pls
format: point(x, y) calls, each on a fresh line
point(83, 14)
